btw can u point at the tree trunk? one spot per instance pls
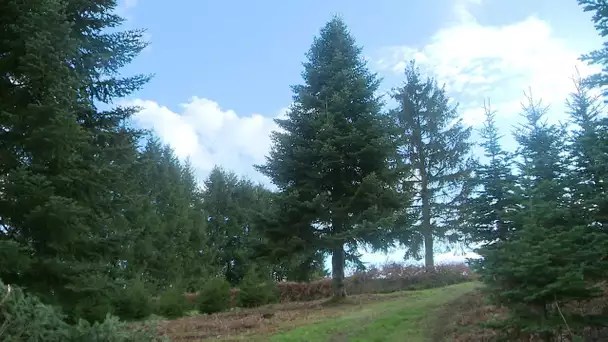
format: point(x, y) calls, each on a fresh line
point(427, 228)
point(337, 272)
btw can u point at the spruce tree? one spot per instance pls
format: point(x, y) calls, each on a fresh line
point(599, 8)
point(589, 153)
point(227, 201)
point(63, 160)
point(435, 142)
point(553, 257)
point(493, 199)
point(331, 158)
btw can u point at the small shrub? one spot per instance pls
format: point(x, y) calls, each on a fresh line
point(133, 301)
point(214, 296)
point(113, 330)
point(25, 318)
point(172, 303)
point(255, 291)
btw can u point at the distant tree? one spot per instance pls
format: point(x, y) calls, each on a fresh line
point(331, 159)
point(435, 142)
point(167, 241)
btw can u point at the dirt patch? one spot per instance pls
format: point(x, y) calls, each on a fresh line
point(263, 320)
point(459, 320)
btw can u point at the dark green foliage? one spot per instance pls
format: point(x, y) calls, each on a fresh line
point(63, 160)
point(24, 318)
point(168, 236)
point(556, 255)
point(231, 205)
point(435, 142)
point(172, 303)
point(133, 301)
point(332, 159)
point(589, 154)
point(599, 8)
point(487, 213)
point(256, 289)
point(214, 296)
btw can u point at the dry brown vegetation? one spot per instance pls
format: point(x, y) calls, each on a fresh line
point(386, 278)
point(307, 303)
point(243, 323)
point(461, 320)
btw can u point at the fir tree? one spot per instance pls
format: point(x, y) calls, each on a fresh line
point(436, 143)
point(227, 201)
point(589, 153)
point(489, 206)
point(63, 160)
point(331, 159)
point(599, 8)
point(553, 257)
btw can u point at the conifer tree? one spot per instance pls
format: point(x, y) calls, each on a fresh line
point(553, 257)
point(435, 142)
point(493, 199)
point(63, 160)
point(599, 8)
point(228, 202)
point(589, 153)
point(331, 159)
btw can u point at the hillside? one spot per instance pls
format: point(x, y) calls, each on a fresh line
point(380, 317)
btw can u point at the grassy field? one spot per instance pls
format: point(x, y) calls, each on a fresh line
point(401, 316)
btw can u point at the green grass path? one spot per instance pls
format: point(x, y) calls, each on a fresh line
point(405, 318)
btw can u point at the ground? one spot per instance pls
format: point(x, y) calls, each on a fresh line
point(402, 316)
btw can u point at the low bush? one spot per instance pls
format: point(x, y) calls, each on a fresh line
point(255, 290)
point(214, 296)
point(172, 303)
point(133, 301)
point(387, 278)
point(26, 318)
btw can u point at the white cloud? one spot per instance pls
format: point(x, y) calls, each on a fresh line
point(127, 4)
point(210, 135)
point(499, 62)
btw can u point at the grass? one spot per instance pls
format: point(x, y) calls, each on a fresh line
point(401, 316)
point(404, 318)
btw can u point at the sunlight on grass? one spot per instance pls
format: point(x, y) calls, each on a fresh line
point(400, 319)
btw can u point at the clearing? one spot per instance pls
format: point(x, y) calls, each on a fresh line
point(401, 316)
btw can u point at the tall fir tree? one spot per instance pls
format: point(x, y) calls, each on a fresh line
point(229, 202)
point(589, 152)
point(435, 142)
point(331, 159)
point(493, 185)
point(63, 160)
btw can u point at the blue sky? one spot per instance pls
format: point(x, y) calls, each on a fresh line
point(223, 69)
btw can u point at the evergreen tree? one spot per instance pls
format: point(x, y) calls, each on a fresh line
point(599, 8)
point(331, 159)
point(436, 143)
point(493, 200)
point(589, 152)
point(63, 160)
point(168, 235)
point(231, 205)
point(554, 257)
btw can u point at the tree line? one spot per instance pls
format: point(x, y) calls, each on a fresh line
point(91, 206)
